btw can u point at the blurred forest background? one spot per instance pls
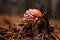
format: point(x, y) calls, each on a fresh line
point(18, 7)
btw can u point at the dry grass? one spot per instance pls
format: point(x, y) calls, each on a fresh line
point(8, 32)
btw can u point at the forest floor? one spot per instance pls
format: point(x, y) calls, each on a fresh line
point(17, 19)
